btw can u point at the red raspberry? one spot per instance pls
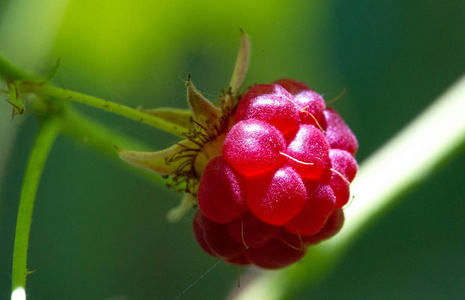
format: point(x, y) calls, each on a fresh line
point(292, 86)
point(253, 147)
point(220, 181)
point(284, 176)
point(250, 231)
point(344, 163)
point(308, 152)
point(199, 233)
point(270, 103)
point(338, 134)
point(214, 238)
point(275, 255)
point(240, 260)
point(340, 188)
point(331, 228)
point(270, 171)
point(276, 197)
point(318, 207)
point(344, 167)
point(310, 103)
point(312, 106)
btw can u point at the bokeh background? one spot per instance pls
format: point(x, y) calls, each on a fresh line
point(99, 229)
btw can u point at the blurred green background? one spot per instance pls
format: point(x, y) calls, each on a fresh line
point(99, 230)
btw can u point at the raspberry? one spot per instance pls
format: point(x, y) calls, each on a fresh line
point(331, 228)
point(250, 231)
point(311, 104)
point(338, 134)
point(270, 103)
point(276, 197)
point(318, 207)
point(308, 152)
point(343, 162)
point(199, 233)
point(292, 86)
point(340, 188)
point(275, 255)
point(220, 181)
point(214, 238)
point(344, 168)
point(253, 147)
point(240, 260)
point(284, 175)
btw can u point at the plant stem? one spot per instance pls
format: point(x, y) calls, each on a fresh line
point(35, 84)
point(43, 143)
point(116, 108)
point(383, 179)
point(11, 72)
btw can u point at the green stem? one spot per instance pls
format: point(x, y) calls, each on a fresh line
point(11, 72)
point(39, 85)
point(116, 108)
point(43, 143)
point(383, 179)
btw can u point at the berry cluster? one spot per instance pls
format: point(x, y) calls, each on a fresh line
point(282, 180)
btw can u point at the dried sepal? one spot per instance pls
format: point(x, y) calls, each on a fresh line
point(242, 64)
point(203, 111)
point(231, 97)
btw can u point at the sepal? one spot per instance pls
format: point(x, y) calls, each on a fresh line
point(181, 117)
point(159, 161)
point(175, 214)
point(203, 111)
